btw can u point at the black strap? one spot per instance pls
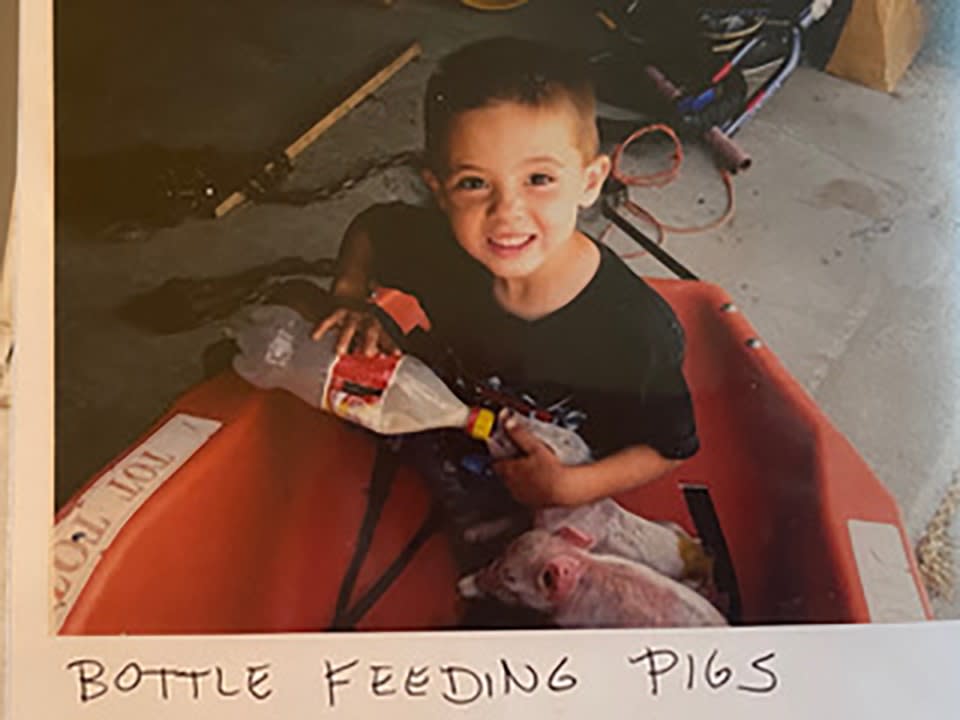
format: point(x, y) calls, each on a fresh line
point(429, 526)
point(705, 518)
point(384, 467)
point(608, 205)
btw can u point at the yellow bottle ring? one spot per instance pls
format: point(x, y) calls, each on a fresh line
point(480, 424)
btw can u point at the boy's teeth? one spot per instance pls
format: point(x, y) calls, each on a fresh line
point(511, 241)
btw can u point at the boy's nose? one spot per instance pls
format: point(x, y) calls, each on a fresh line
point(506, 203)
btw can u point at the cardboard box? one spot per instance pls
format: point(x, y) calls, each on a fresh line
point(878, 42)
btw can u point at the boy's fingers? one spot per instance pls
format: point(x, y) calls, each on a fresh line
point(370, 338)
point(346, 335)
point(374, 339)
point(387, 344)
point(328, 322)
point(524, 439)
point(511, 470)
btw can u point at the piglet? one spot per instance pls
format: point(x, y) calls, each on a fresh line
point(609, 529)
point(613, 530)
point(553, 574)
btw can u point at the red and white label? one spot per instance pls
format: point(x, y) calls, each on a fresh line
point(356, 386)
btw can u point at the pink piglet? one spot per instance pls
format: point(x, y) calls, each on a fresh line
point(551, 572)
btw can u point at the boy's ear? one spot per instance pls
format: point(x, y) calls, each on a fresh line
point(595, 174)
point(436, 187)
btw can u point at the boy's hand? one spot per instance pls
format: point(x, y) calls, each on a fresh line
point(360, 327)
point(538, 478)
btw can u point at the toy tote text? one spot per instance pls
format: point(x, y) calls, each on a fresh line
point(342, 684)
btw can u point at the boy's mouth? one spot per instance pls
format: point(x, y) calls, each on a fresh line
point(510, 244)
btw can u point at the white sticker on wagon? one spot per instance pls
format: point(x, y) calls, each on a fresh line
point(90, 526)
point(885, 576)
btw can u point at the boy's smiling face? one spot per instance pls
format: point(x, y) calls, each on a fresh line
point(516, 177)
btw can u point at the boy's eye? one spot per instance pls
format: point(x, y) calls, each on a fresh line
point(540, 179)
point(470, 183)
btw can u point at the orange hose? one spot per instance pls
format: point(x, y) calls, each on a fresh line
point(660, 179)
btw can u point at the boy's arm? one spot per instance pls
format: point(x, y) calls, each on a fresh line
point(540, 479)
point(617, 473)
point(386, 243)
point(353, 281)
point(354, 261)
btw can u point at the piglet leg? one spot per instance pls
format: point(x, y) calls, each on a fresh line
point(486, 531)
point(468, 588)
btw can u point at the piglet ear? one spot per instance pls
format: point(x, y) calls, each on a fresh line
point(559, 577)
point(575, 537)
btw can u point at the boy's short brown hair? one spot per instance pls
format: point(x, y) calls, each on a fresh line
point(506, 70)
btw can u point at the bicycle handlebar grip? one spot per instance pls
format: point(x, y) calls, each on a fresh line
point(666, 88)
point(727, 151)
point(730, 155)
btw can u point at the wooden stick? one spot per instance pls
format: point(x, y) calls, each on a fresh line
point(327, 121)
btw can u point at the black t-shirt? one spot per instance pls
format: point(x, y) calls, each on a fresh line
point(607, 364)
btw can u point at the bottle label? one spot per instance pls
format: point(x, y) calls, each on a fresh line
point(355, 387)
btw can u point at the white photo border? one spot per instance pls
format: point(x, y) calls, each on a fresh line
point(844, 671)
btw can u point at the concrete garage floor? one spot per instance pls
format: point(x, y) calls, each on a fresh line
point(842, 252)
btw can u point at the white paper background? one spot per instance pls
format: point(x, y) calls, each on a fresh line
point(845, 672)
point(841, 672)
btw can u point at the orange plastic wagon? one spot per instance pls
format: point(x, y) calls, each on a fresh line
point(242, 510)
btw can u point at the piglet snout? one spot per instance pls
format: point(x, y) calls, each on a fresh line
point(560, 577)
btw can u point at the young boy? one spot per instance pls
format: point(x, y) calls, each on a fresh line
point(513, 288)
